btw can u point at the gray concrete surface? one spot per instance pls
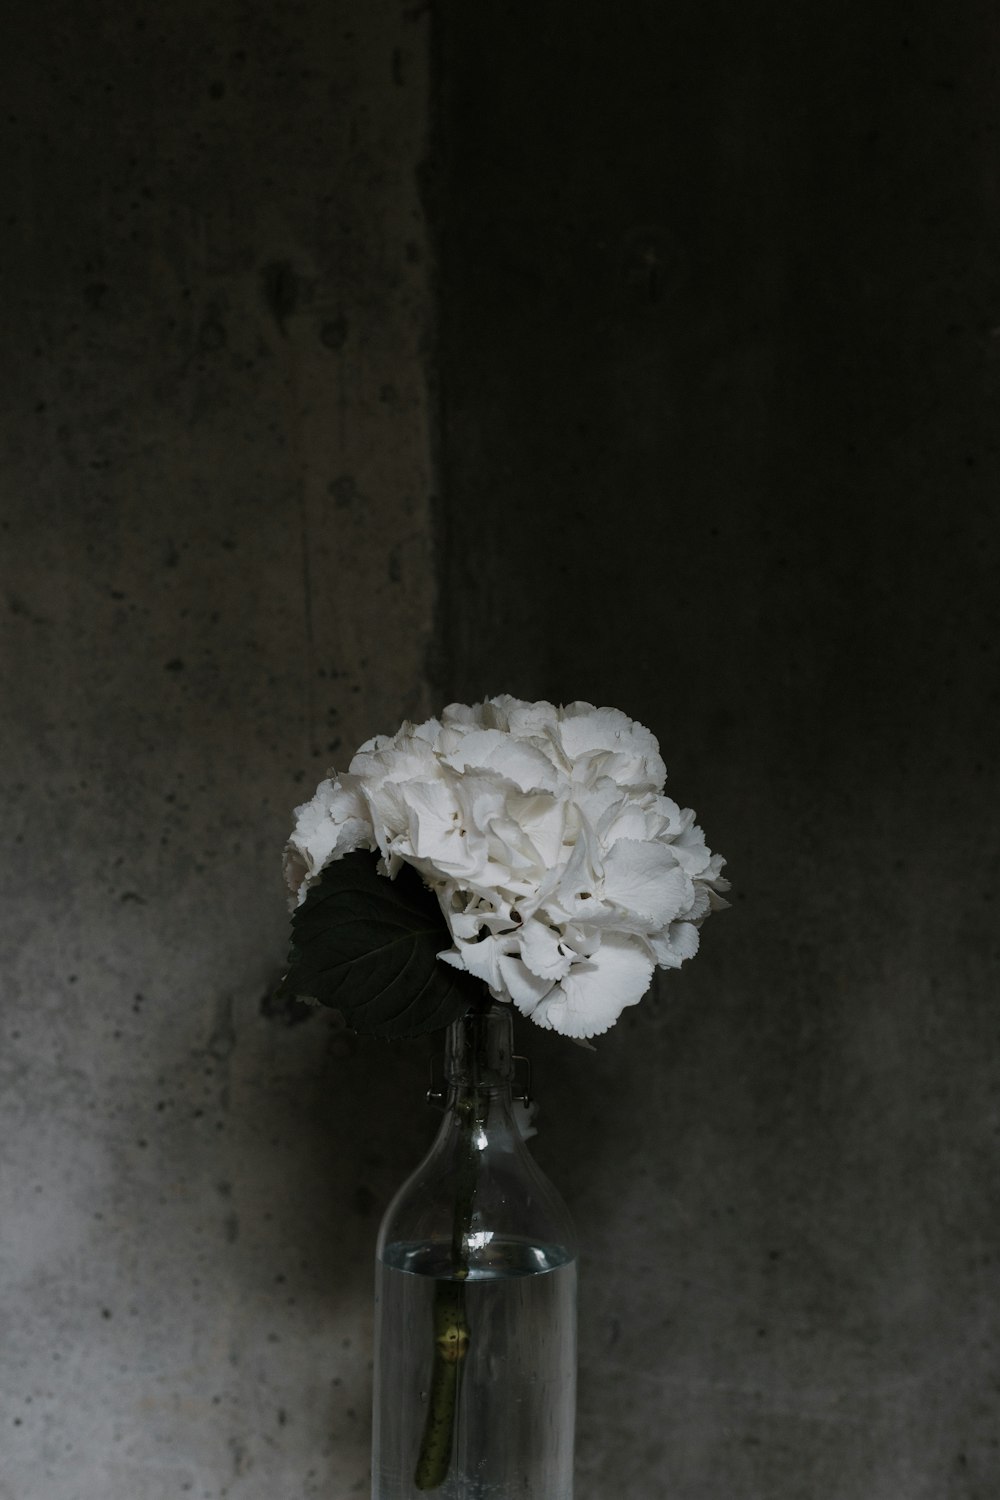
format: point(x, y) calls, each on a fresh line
point(704, 384)
point(216, 554)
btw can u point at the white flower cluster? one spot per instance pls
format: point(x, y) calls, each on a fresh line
point(564, 874)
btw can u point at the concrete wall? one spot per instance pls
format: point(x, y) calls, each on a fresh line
point(714, 432)
point(719, 365)
point(217, 577)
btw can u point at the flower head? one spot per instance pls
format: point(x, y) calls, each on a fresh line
point(564, 874)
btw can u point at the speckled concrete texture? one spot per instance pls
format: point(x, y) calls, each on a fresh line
point(719, 368)
point(715, 436)
point(216, 552)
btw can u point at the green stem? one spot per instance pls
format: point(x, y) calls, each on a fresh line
point(451, 1327)
point(451, 1341)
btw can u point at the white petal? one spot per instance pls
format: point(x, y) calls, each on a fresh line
point(523, 987)
point(542, 951)
point(465, 924)
point(491, 749)
point(452, 956)
point(482, 959)
point(527, 720)
point(676, 820)
point(700, 906)
point(296, 872)
point(644, 879)
point(596, 802)
point(409, 760)
point(463, 714)
point(433, 819)
point(523, 1111)
point(581, 939)
point(480, 797)
point(593, 995)
point(691, 852)
point(334, 822)
point(630, 818)
point(387, 810)
point(584, 870)
point(510, 845)
point(543, 819)
point(678, 943)
point(635, 754)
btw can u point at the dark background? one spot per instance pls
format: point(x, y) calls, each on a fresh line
point(361, 358)
point(718, 352)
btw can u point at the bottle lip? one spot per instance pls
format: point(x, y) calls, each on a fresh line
point(479, 1048)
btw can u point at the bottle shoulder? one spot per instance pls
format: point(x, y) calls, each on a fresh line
point(477, 1193)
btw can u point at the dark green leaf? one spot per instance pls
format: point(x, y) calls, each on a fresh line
point(368, 946)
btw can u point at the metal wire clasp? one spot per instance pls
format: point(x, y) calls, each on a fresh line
point(437, 1093)
point(525, 1094)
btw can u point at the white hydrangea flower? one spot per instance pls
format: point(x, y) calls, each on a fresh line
point(564, 874)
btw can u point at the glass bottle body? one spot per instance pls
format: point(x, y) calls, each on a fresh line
point(475, 1372)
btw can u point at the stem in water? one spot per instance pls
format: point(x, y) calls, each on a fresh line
point(451, 1327)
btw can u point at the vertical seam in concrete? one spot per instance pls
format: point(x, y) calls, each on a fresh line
point(307, 623)
point(440, 667)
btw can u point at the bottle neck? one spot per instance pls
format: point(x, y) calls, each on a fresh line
point(479, 1065)
point(479, 1050)
point(478, 1188)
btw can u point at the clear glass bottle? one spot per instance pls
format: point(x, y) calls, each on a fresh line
point(475, 1326)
